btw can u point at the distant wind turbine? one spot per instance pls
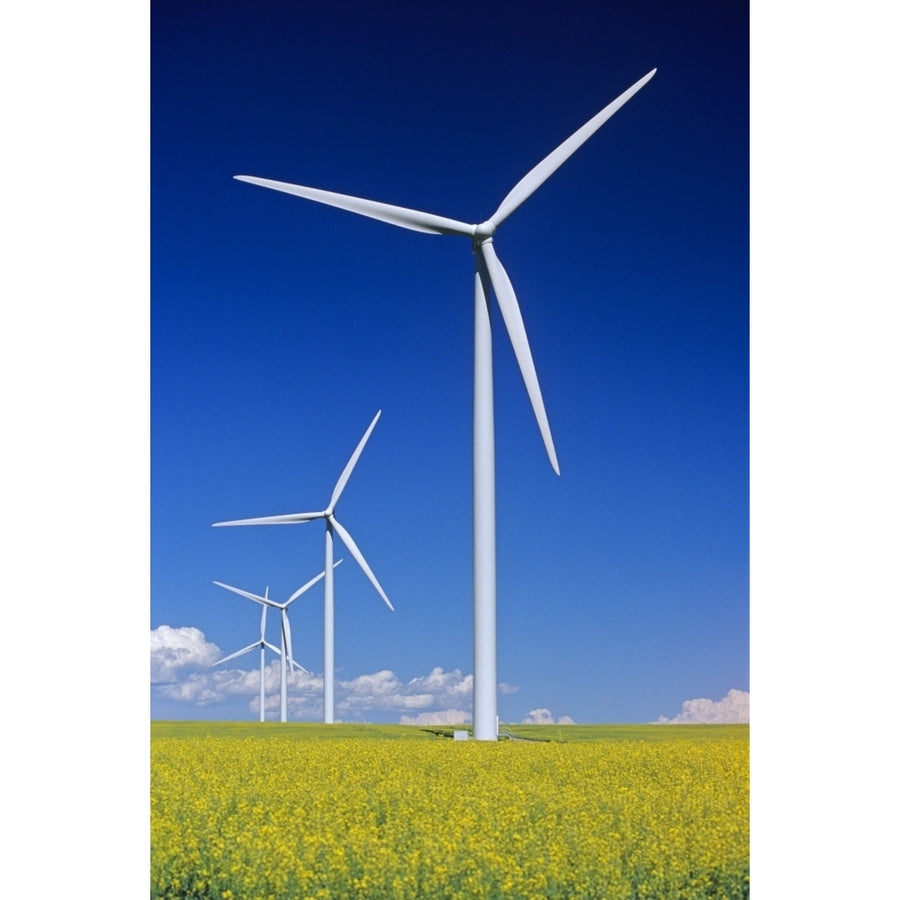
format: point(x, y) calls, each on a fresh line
point(262, 643)
point(286, 652)
point(489, 273)
point(331, 525)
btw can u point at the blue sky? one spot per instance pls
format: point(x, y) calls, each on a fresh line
point(279, 327)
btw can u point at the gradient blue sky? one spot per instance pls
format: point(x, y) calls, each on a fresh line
point(279, 327)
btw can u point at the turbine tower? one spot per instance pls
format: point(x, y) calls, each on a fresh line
point(331, 525)
point(489, 273)
point(262, 643)
point(286, 653)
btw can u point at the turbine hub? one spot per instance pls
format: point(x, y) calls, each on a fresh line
point(484, 230)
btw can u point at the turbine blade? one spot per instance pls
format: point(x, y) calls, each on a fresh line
point(303, 589)
point(515, 327)
point(290, 519)
point(544, 169)
point(263, 600)
point(350, 544)
point(296, 665)
point(348, 469)
point(384, 212)
point(246, 649)
point(286, 635)
point(262, 620)
point(307, 586)
point(272, 647)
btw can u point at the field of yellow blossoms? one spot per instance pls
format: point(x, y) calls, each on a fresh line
point(276, 817)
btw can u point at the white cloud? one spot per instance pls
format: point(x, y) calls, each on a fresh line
point(173, 650)
point(202, 689)
point(430, 693)
point(440, 717)
point(733, 708)
point(180, 660)
point(304, 696)
point(543, 716)
point(381, 690)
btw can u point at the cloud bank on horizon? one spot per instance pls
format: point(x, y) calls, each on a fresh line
point(732, 709)
point(180, 660)
point(543, 716)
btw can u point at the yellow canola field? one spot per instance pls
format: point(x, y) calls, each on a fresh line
point(363, 818)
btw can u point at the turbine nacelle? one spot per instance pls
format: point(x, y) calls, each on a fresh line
point(483, 231)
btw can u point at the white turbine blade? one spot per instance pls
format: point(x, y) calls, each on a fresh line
point(350, 544)
point(246, 649)
point(348, 469)
point(515, 327)
point(303, 589)
point(262, 620)
point(307, 586)
point(263, 600)
point(296, 665)
point(271, 647)
point(289, 519)
point(286, 634)
point(384, 212)
point(544, 169)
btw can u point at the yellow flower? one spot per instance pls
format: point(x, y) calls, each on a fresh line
point(331, 819)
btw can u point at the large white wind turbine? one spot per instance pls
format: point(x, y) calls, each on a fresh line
point(262, 643)
point(331, 525)
point(286, 652)
point(489, 272)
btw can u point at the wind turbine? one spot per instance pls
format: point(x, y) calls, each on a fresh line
point(286, 653)
point(331, 525)
point(262, 643)
point(489, 272)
